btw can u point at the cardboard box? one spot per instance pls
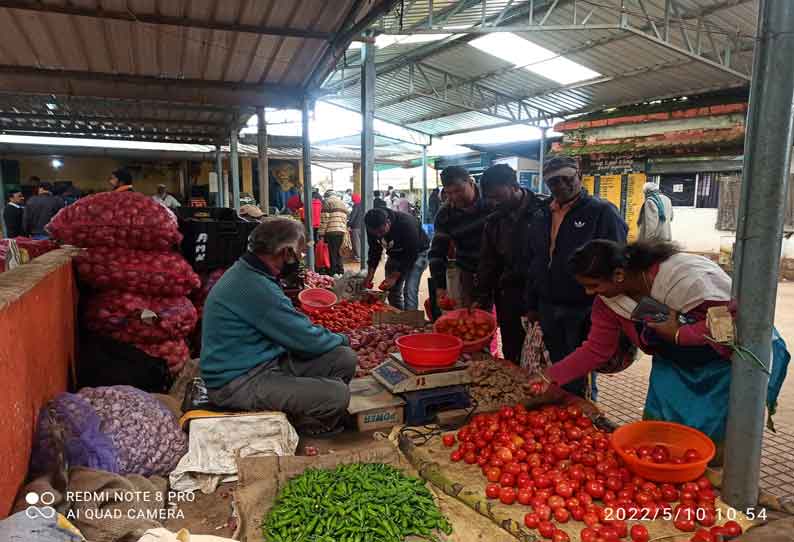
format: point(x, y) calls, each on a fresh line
point(411, 318)
point(373, 406)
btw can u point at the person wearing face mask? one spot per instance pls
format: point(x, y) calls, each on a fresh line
point(557, 231)
point(502, 266)
point(259, 353)
point(458, 228)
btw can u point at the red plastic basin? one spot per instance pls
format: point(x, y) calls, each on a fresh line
point(430, 349)
point(479, 316)
point(676, 437)
point(316, 299)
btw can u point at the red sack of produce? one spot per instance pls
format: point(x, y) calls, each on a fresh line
point(116, 219)
point(26, 249)
point(138, 319)
point(175, 353)
point(165, 274)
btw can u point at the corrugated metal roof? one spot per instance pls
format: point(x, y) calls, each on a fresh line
point(144, 55)
point(634, 67)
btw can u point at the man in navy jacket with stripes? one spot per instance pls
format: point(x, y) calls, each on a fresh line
point(554, 297)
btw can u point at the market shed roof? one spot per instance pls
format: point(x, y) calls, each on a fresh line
point(446, 84)
point(164, 70)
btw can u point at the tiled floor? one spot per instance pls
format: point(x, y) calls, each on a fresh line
point(622, 397)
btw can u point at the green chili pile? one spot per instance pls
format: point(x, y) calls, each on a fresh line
point(354, 503)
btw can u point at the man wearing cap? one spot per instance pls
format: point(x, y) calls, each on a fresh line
point(554, 297)
point(164, 198)
point(120, 181)
point(655, 215)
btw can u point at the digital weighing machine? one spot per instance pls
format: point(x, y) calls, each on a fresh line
point(426, 390)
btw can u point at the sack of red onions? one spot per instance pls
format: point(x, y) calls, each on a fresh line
point(164, 274)
point(136, 319)
point(116, 219)
point(175, 353)
point(199, 296)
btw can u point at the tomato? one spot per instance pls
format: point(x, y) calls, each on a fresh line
point(524, 496)
point(506, 412)
point(470, 457)
point(684, 524)
point(513, 468)
point(639, 533)
point(595, 489)
point(493, 474)
point(456, 456)
point(691, 455)
point(543, 511)
point(614, 483)
point(546, 529)
point(669, 493)
point(609, 533)
point(531, 520)
point(507, 495)
point(660, 454)
point(561, 515)
point(543, 481)
point(590, 519)
point(492, 491)
point(561, 451)
point(564, 489)
point(589, 535)
point(703, 483)
point(507, 480)
point(577, 512)
point(504, 454)
point(621, 526)
point(643, 498)
point(555, 501)
point(732, 528)
point(560, 536)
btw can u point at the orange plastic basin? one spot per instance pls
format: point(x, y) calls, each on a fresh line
point(316, 299)
point(478, 316)
point(678, 438)
point(430, 349)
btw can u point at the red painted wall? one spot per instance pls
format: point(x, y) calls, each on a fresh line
point(37, 346)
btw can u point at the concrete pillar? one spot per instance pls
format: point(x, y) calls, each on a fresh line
point(262, 164)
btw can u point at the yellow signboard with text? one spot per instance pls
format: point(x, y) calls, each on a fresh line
point(588, 182)
point(634, 201)
point(609, 188)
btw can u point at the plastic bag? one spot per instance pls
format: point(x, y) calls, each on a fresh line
point(139, 319)
point(116, 219)
point(534, 356)
point(346, 250)
point(164, 274)
point(322, 256)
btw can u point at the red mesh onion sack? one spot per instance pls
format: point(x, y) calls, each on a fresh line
point(199, 296)
point(139, 319)
point(165, 274)
point(175, 353)
point(116, 219)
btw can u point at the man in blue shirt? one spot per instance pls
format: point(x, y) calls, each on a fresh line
point(259, 353)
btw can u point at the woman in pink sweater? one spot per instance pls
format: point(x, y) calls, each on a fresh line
point(690, 375)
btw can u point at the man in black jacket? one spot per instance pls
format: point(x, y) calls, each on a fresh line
point(406, 244)
point(40, 210)
point(554, 298)
point(13, 213)
point(502, 271)
point(458, 226)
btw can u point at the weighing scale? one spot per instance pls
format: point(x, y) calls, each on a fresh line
point(425, 390)
point(399, 377)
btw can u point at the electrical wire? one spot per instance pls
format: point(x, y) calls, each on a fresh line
point(420, 436)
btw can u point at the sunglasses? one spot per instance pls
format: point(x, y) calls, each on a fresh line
point(568, 179)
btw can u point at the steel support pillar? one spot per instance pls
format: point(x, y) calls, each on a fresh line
point(220, 198)
point(424, 215)
point(307, 183)
point(262, 161)
point(767, 157)
point(542, 157)
point(367, 134)
point(234, 168)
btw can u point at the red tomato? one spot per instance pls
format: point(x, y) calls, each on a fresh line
point(560, 536)
point(492, 491)
point(660, 454)
point(614, 483)
point(470, 457)
point(669, 493)
point(577, 512)
point(456, 456)
point(621, 526)
point(493, 474)
point(543, 481)
point(591, 520)
point(564, 489)
point(609, 533)
point(702, 535)
point(691, 455)
point(561, 451)
point(507, 480)
point(546, 529)
point(639, 533)
point(543, 511)
point(561, 515)
point(507, 495)
point(524, 496)
point(504, 454)
point(684, 524)
point(595, 489)
point(589, 535)
point(732, 528)
point(513, 468)
point(555, 501)
point(531, 520)
point(703, 483)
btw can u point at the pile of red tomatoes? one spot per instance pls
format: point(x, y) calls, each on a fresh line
point(554, 460)
point(661, 454)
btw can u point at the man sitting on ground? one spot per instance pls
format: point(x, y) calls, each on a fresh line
point(259, 353)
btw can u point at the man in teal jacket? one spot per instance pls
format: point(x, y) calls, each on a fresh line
point(259, 353)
